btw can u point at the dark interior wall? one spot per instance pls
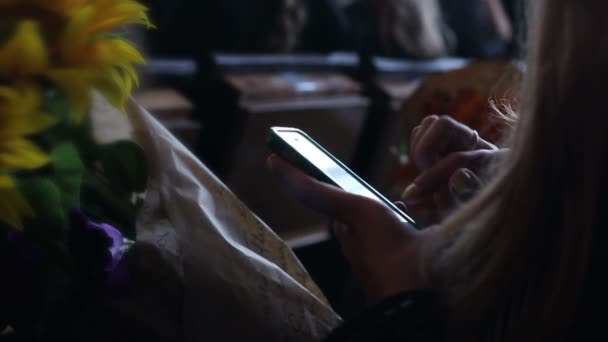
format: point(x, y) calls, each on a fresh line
point(192, 27)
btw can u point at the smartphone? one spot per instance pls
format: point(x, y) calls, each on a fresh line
point(303, 152)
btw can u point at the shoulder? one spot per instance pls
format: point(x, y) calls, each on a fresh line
point(412, 316)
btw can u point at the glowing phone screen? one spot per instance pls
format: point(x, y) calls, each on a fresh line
point(341, 177)
point(327, 165)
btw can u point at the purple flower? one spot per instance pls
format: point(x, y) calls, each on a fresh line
point(99, 250)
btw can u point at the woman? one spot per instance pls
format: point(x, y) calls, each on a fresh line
point(483, 28)
point(400, 28)
point(524, 260)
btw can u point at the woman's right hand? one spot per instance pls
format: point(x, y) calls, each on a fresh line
point(449, 156)
point(384, 252)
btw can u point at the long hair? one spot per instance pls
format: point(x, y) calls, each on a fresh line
point(413, 27)
point(524, 261)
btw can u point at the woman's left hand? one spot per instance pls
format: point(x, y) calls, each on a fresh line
point(449, 156)
point(383, 251)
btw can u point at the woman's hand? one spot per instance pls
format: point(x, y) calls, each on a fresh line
point(449, 156)
point(383, 251)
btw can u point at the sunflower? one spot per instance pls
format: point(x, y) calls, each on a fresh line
point(74, 46)
point(20, 117)
point(79, 50)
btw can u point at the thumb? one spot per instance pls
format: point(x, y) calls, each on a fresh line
point(434, 178)
point(464, 184)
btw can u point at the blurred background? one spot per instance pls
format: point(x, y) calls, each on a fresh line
point(357, 75)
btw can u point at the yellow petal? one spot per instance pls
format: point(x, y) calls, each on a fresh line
point(114, 86)
point(114, 52)
point(111, 16)
point(75, 37)
point(64, 7)
point(25, 53)
point(13, 206)
point(130, 82)
point(6, 182)
point(9, 211)
point(20, 109)
point(130, 72)
point(8, 94)
point(35, 123)
point(118, 57)
point(21, 154)
point(76, 83)
point(93, 62)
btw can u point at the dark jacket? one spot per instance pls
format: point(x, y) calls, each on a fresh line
point(412, 317)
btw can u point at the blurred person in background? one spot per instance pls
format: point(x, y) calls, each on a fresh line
point(289, 19)
point(418, 29)
point(400, 28)
point(326, 28)
point(483, 28)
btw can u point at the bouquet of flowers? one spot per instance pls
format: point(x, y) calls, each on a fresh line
point(84, 255)
point(67, 203)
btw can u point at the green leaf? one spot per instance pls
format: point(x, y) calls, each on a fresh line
point(125, 167)
point(55, 102)
point(108, 204)
point(52, 196)
point(111, 180)
point(67, 174)
point(50, 221)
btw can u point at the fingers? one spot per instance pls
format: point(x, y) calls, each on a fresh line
point(431, 180)
point(462, 187)
point(438, 175)
point(420, 130)
point(439, 138)
point(382, 250)
point(319, 196)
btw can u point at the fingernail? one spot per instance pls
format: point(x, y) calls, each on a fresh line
point(409, 192)
point(463, 185)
